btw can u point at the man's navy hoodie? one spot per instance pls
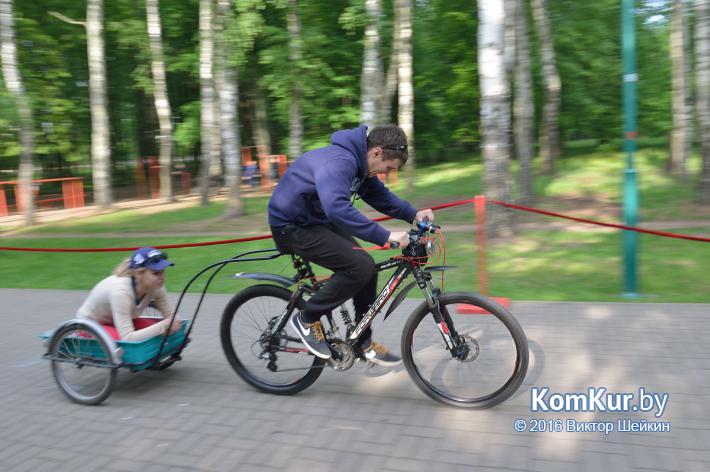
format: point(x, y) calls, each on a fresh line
point(317, 189)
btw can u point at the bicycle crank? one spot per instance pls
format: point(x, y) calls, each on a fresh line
point(343, 355)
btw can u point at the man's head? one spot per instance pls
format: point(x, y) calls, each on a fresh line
point(386, 149)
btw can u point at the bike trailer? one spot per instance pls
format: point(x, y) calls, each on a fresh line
point(137, 355)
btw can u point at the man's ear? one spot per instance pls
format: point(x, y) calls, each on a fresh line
point(374, 152)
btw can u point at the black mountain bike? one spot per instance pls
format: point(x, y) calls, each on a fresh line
point(466, 360)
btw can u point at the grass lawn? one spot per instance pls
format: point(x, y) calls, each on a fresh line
point(537, 264)
point(585, 181)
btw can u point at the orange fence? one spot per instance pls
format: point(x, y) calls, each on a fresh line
point(261, 169)
point(142, 190)
point(72, 194)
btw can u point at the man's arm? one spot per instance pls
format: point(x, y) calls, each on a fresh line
point(379, 197)
point(333, 182)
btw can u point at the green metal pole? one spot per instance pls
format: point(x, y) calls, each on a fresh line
point(631, 200)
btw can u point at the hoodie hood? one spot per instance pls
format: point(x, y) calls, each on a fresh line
point(354, 141)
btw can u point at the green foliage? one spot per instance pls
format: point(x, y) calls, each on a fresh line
point(445, 79)
point(187, 132)
point(328, 73)
point(354, 18)
point(52, 56)
point(588, 48)
point(52, 62)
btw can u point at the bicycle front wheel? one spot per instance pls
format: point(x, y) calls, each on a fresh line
point(492, 359)
point(270, 360)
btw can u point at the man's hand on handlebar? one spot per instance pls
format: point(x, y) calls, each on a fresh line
point(399, 237)
point(421, 214)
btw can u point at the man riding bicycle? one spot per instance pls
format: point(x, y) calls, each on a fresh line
point(311, 214)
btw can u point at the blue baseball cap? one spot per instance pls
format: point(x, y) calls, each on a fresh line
point(150, 258)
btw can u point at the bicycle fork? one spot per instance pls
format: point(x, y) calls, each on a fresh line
point(441, 316)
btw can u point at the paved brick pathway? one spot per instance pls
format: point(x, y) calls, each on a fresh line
point(198, 415)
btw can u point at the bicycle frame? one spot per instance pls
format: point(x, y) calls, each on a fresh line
point(403, 269)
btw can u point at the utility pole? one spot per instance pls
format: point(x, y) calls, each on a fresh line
point(631, 200)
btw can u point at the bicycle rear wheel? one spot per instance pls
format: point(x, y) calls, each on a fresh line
point(494, 357)
point(272, 362)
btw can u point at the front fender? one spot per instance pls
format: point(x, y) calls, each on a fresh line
point(399, 299)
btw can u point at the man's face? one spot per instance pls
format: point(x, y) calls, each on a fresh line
point(377, 164)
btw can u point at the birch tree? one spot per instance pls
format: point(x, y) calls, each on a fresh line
point(371, 79)
point(295, 137)
point(702, 102)
point(389, 86)
point(681, 132)
point(228, 99)
point(207, 94)
point(523, 108)
point(160, 95)
point(495, 112)
point(262, 137)
point(13, 82)
point(100, 132)
point(405, 89)
point(509, 47)
point(550, 144)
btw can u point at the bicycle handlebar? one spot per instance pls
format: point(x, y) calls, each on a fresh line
point(424, 226)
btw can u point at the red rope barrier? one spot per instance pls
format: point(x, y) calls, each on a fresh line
point(664, 234)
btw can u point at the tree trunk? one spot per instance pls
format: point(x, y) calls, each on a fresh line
point(495, 113)
point(680, 134)
point(510, 22)
point(13, 82)
point(702, 102)
point(688, 54)
point(406, 91)
point(390, 85)
point(371, 79)
point(550, 144)
point(160, 94)
point(228, 100)
point(523, 108)
point(295, 135)
point(100, 137)
point(207, 112)
point(262, 137)
point(216, 163)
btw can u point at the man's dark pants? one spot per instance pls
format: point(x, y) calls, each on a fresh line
point(354, 275)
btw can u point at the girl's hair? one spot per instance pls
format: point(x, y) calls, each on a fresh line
point(123, 269)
